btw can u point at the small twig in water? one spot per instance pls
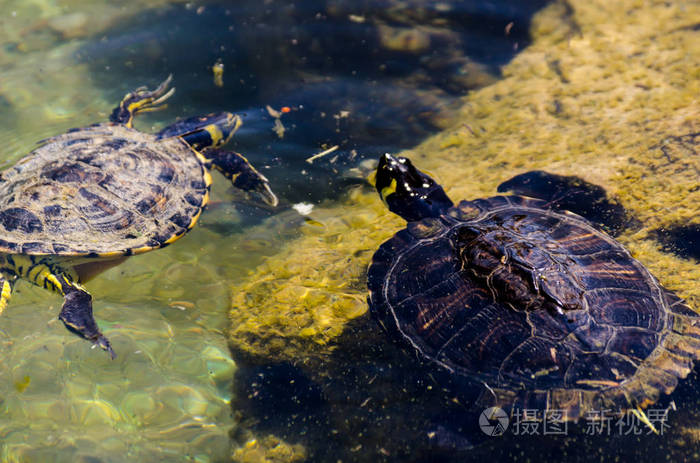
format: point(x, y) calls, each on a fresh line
point(321, 154)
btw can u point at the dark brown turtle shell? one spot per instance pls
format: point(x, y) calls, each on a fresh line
point(620, 341)
point(101, 191)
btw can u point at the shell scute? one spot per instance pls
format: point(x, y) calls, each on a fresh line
point(590, 371)
point(465, 210)
point(425, 228)
point(438, 263)
point(634, 343)
point(613, 270)
point(537, 362)
point(592, 337)
point(499, 334)
point(492, 203)
point(623, 307)
point(573, 240)
point(431, 318)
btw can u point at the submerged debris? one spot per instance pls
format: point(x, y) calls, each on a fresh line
point(218, 71)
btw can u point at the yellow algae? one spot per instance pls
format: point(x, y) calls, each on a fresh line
point(268, 449)
point(302, 296)
point(598, 94)
point(23, 384)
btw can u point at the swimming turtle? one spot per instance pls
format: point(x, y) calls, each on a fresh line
point(534, 306)
point(85, 200)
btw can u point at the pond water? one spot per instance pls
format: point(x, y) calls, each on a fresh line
point(346, 81)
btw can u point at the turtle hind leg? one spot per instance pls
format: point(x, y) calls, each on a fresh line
point(76, 314)
point(683, 240)
point(242, 174)
point(5, 292)
point(141, 100)
point(572, 194)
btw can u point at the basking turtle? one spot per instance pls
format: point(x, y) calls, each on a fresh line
point(537, 305)
point(85, 200)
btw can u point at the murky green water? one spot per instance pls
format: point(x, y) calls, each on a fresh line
point(362, 85)
point(167, 395)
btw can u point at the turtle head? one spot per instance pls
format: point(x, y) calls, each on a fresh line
point(409, 192)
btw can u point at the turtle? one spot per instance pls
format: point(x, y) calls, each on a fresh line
point(529, 305)
point(85, 200)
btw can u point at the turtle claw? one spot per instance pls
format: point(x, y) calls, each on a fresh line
point(142, 100)
point(256, 185)
point(76, 315)
point(243, 175)
point(267, 195)
point(104, 343)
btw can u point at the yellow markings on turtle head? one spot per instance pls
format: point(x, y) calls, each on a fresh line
point(37, 273)
point(21, 264)
point(387, 190)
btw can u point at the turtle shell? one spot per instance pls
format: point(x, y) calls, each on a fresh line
point(476, 292)
point(101, 191)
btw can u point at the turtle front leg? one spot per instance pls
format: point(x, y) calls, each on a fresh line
point(574, 194)
point(141, 100)
point(242, 174)
point(205, 134)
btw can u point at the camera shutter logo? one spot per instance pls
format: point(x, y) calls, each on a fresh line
point(493, 421)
